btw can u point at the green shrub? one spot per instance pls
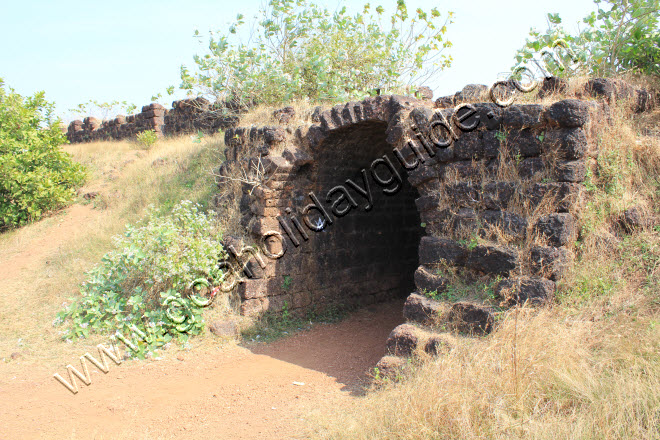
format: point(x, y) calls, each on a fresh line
point(622, 35)
point(146, 139)
point(298, 49)
point(36, 176)
point(152, 262)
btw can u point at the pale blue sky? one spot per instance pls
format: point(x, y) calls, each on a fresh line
point(131, 50)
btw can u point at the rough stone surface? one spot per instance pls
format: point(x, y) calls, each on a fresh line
point(297, 156)
point(549, 262)
point(471, 318)
point(559, 229)
point(391, 367)
point(571, 171)
point(553, 86)
point(284, 115)
point(429, 282)
point(601, 88)
point(445, 102)
point(525, 290)
point(563, 195)
point(252, 307)
point(570, 143)
point(403, 340)
point(425, 93)
point(569, 113)
point(224, 328)
point(525, 143)
point(471, 92)
point(421, 309)
point(438, 344)
point(494, 222)
point(520, 116)
point(434, 250)
point(613, 90)
point(498, 260)
point(633, 218)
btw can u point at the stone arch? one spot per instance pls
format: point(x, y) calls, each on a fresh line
point(480, 188)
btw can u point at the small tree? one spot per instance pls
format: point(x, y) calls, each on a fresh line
point(36, 176)
point(621, 36)
point(103, 109)
point(297, 49)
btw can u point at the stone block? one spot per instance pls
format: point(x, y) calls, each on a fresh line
point(519, 116)
point(525, 290)
point(429, 282)
point(403, 340)
point(497, 260)
point(473, 319)
point(568, 113)
point(559, 229)
point(570, 143)
point(434, 250)
point(549, 262)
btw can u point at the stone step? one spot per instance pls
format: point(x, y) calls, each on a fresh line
point(408, 340)
point(463, 317)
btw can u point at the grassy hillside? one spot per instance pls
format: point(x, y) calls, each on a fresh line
point(44, 263)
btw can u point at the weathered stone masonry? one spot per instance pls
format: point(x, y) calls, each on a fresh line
point(186, 116)
point(501, 200)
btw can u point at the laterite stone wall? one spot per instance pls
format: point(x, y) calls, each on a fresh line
point(186, 116)
point(402, 191)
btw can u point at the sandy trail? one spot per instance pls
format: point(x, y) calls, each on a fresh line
point(234, 393)
point(223, 392)
point(37, 248)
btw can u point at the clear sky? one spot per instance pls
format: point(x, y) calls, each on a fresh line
point(131, 50)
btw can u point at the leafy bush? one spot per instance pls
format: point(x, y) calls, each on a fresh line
point(297, 49)
point(621, 36)
point(36, 176)
point(152, 262)
point(147, 139)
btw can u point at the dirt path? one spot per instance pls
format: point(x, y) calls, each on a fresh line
point(233, 393)
point(255, 391)
point(46, 242)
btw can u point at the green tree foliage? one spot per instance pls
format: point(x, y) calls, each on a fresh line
point(297, 49)
point(36, 176)
point(620, 36)
point(103, 109)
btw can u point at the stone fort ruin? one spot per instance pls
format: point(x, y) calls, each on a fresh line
point(392, 197)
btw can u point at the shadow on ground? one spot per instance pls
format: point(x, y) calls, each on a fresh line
point(346, 351)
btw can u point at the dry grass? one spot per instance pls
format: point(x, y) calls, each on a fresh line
point(127, 181)
point(586, 368)
point(263, 115)
point(543, 375)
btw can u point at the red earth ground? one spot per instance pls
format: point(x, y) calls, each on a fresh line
point(239, 392)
